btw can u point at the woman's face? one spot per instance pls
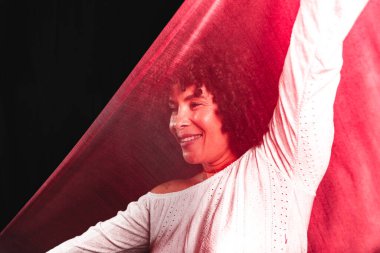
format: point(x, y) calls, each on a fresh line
point(197, 127)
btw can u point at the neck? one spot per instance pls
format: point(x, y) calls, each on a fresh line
point(210, 169)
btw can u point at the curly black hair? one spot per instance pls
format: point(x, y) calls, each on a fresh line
point(235, 86)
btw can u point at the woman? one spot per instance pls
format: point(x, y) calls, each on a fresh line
point(255, 200)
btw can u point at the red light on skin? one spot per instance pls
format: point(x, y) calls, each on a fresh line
point(198, 129)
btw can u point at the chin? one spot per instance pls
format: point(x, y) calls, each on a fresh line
point(191, 159)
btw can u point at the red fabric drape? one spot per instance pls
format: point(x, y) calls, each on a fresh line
point(128, 149)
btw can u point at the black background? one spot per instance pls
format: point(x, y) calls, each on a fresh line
point(60, 63)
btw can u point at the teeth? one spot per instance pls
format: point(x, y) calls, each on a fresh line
point(187, 139)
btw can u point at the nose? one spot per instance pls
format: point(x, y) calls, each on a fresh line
point(179, 120)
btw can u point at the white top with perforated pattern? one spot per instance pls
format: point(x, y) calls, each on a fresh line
point(262, 201)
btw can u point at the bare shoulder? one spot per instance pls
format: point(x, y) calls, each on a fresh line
point(176, 185)
point(167, 187)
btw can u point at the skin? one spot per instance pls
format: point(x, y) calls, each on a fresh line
point(197, 128)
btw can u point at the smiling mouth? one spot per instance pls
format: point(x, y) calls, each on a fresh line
point(189, 139)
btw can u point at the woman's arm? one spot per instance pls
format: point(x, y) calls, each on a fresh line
point(301, 131)
point(128, 231)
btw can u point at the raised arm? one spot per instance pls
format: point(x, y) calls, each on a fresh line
point(128, 231)
point(301, 131)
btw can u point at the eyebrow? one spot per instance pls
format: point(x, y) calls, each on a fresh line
point(187, 98)
point(193, 96)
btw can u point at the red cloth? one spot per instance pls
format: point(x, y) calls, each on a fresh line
point(128, 149)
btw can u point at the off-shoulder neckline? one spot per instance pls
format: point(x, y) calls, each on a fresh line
point(200, 184)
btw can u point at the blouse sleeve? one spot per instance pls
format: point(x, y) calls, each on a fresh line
point(301, 130)
point(128, 231)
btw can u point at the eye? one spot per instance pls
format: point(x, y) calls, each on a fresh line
point(193, 105)
point(172, 108)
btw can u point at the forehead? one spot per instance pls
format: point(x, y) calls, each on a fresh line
point(191, 91)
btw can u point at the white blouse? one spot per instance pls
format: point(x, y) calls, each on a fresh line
point(262, 201)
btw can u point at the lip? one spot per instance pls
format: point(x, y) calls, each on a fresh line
point(187, 139)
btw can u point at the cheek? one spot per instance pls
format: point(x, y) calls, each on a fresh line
point(209, 122)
